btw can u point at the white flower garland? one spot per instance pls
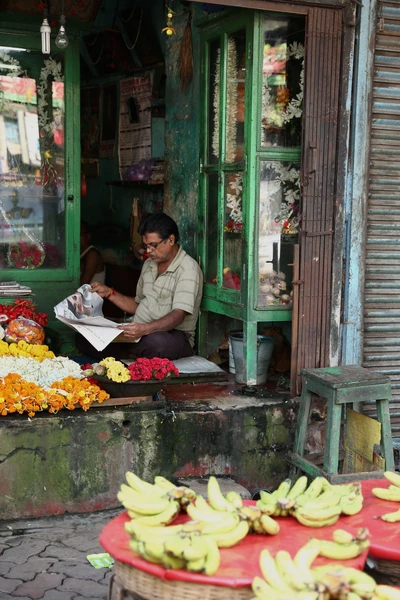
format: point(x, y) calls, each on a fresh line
point(54, 68)
point(294, 108)
point(288, 179)
point(43, 373)
point(16, 70)
point(231, 102)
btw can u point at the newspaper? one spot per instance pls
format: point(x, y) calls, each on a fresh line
point(83, 311)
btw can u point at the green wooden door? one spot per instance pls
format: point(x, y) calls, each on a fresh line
point(226, 83)
point(39, 162)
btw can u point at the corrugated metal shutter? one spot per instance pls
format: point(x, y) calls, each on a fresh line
point(319, 175)
point(382, 284)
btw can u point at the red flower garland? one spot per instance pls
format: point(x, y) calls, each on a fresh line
point(23, 308)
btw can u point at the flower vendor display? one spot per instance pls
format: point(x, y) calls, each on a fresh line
point(19, 396)
point(23, 308)
point(24, 329)
point(142, 369)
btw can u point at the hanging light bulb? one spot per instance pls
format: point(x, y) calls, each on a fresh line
point(61, 39)
point(45, 31)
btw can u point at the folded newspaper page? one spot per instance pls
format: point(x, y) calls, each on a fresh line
point(83, 311)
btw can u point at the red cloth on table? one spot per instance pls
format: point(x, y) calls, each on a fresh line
point(240, 564)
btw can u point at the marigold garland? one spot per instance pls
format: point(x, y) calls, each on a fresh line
point(20, 396)
point(37, 351)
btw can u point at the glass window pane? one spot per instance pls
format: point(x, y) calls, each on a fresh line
point(235, 94)
point(278, 228)
point(212, 228)
point(32, 209)
point(232, 265)
point(213, 101)
point(283, 80)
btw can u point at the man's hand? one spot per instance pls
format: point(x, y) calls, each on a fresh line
point(102, 290)
point(134, 331)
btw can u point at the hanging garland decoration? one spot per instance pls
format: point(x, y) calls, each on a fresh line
point(54, 69)
point(231, 102)
point(12, 68)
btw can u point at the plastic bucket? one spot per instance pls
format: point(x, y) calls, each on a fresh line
point(265, 347)
point(231, 359)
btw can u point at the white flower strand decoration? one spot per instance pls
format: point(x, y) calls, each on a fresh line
point(54, 68)
point(231, 102)
point(43, 373)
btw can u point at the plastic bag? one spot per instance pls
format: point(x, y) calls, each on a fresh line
point(24, 329)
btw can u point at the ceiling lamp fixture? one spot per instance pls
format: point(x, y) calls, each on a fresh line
point(45, 31)
point(61, 39)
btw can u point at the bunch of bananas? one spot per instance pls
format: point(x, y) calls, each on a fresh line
point(391, 493)
point(153, 504)
point(344, 545)
point(286, 578)
point(316, 505)
point(176, 547)
point(228, 511)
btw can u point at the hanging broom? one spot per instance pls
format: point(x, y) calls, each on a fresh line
point(186, 56)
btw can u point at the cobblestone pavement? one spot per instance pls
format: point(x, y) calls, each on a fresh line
point(46, 558)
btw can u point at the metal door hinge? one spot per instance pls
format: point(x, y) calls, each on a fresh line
point(201, 166)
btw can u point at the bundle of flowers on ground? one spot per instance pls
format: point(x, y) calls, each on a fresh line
point(20, 396)
point(23, 308)
point(37, 351)
point(43, 373)
point(152, 368)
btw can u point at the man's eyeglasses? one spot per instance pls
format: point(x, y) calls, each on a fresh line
point(153, 245)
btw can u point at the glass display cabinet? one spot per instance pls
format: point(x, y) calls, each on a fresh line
point(252, 104)
point(39, 162)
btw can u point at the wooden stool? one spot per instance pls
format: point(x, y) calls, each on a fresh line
point(340, 386)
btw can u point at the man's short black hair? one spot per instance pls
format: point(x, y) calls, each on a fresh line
point(159, 223)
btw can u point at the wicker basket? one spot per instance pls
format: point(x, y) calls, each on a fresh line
point(148, 587)
point(387, 571)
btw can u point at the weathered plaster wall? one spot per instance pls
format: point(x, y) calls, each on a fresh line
point(76, 462)
point(182, 138)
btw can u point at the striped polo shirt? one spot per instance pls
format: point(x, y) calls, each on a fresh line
point(181, 286)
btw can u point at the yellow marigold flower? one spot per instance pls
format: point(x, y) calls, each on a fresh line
point(2, 400)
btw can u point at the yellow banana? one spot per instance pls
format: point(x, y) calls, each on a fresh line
point(224, 525)
point(171, 562)
point(386, 494)
point(393, 477)
point(392, 517)
point(213, 558)
point(341, 536)
point(318, 515)
point(235, 499)
point(324, 500)
point(196, 566)
point(267, 509)
point(256, 527)
point(283, 489)
point(142, 530)
point(216, 497)
point(316, 487)
point(233, 537)
point(155, 549)
point(352, 508)
point(250, 512)
point(261, 588)
point(163, 518)
point(353, 596)
point(198, 548)
point(269, 525)
point(299, 488)
point(270, 572)
point(203, 505)
point(386, 592)
point(336, 551)
point(140, 503)
point(306, 555)
point(208, 517)
point(175, 545)
point(289, 572)
point(163, 483)
point(360, 582)
point(310, 523)
point(138, 485)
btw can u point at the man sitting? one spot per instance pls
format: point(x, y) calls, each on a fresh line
point(167, 301)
